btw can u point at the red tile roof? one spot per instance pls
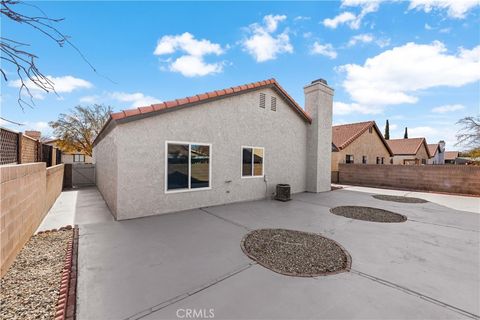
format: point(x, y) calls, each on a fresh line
point(432, 148)
point(137, 113)
point(407, 146)
point(451, 155)
point(343, 135)
point(204, 97)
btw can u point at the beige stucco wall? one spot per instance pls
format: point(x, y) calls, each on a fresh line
point(105, 155)
point(227, 124)
point(421, 154)
point(68, 158)
point(368, 144)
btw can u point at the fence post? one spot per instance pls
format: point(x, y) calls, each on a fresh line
point(19, 147)
point(54, 156)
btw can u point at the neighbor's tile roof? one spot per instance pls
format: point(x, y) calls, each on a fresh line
point(451, 155)
point(204, 97)
point(407, 146)
point(432, 148)
point(343, 135)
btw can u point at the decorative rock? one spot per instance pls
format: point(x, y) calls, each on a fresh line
point(296, 253)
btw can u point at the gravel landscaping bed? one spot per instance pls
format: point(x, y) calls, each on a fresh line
point(30, 288)
point(296, 253)
point(368, 214)
point(398, 199)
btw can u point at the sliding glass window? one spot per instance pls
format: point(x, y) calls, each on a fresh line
point(188, 166)
point(252, 162)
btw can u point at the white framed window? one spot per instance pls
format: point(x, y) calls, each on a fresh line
point(78, 158)
point(349, 158)
point(253, 162)
point(188, 166)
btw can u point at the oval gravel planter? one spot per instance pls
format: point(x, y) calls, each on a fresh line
point(296, 253)
point(368, 214)
point(400, 199)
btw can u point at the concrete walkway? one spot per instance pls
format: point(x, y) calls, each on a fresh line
point(464, 203)
point(156, 267)
point(76, 206)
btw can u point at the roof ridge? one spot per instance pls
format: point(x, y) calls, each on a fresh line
point(353, 123)
point(204, 97)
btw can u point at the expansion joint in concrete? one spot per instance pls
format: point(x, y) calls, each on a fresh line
point(226, 220)
point(180, 297)
point(416, 294)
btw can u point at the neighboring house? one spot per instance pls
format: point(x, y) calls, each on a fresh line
point(360, 143)
point(409, 151)
point(219, 147)
point(437, 153)
point(451, 157)
point(71, 157)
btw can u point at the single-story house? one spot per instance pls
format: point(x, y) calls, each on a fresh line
point(360, 143)
point(224, 146)
point(409, 151)
point(451, 157)
point(437, 153)
point(71, 157)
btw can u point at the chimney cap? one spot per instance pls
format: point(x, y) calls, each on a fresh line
point(320, 81)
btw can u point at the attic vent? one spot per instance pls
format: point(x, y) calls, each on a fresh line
point(262, 100)
point(273, 105)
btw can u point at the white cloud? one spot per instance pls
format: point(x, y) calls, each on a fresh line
point(341, 108)
point(192, 62)
point(89, 99)
point(349, 18)
point(428, 27)
point(264, 43)
point(455, 8)
point(368, 38)
point(448, 108)
point(382, 80)
point(363, 38)
point(324, 50)
point(345, 17)
point(137, 99)
point(393, 126)
point(424, 131)
point(64, 84)
point(301, 18)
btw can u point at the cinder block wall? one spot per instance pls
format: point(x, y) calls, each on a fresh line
point(442, 178)
point(27, 193)
point(29, 148)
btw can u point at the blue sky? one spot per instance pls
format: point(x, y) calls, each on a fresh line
point(415, 62)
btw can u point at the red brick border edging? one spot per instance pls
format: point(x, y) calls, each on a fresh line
point(66, 303)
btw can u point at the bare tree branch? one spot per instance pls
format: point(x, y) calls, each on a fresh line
point(469, 134)
point(23, 60)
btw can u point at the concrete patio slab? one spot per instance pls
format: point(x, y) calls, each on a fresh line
point(76, 206)
point(258, 293)
point(425, 268)
point(129, 266)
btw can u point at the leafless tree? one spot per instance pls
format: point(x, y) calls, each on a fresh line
point(469, 134)
point(19, 55)
point(77, 130)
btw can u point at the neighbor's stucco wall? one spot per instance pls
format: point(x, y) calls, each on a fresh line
point(437, 159)
point(105, 154)
point(68, 158)
point(368, 144)
point(227, 124)
point(421, 154)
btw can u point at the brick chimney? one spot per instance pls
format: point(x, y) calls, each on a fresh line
point(33, 134)
point(319, 105)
